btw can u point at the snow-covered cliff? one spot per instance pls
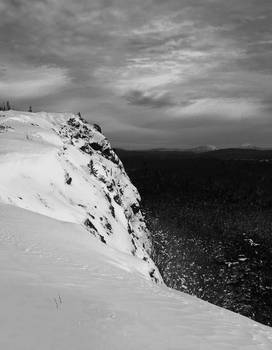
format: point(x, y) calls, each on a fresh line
point(58, 165)
point(74, 265)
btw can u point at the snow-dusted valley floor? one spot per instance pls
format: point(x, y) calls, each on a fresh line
point(69, 283)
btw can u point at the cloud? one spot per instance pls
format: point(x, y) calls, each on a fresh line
point(143, 65)
point(218, 109)
point(21, 82)
point(154, 100)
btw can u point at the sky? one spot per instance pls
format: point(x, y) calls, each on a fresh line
point(152, 73)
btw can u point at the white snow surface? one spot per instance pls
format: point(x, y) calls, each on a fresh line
point(61, 286)
point(41, 152)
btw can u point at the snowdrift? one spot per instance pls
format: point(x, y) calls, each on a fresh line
point(75, 269)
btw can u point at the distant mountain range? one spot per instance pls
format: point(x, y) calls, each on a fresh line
point(244, 152)
point(202, 149)
point(206, 148)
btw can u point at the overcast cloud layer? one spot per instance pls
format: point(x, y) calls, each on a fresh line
point(153, 73)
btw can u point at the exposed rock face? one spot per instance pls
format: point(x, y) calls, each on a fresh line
point(60, 166)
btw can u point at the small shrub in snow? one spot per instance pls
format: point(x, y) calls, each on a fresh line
point(135, 208)
point(73, 122)
point(110, 187)
point(86, 149)
point(97, 128)
point(68, 179)
point(117, 199)
point(108, 197)
point(108, 226)
point(152, 275)
point(102, 239)
point(96, 146)
point(90, 225)
point(93, 171)
point(112, 211)
point(102, 179)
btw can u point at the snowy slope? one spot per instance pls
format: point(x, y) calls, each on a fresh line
point(74, 266)
point(62, 289)
point(58, 165)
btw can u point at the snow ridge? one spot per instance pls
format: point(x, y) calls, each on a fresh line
point(58, 165)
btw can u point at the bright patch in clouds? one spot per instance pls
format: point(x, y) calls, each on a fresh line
point(161, 25)
point(25, 82)
point(228, 109)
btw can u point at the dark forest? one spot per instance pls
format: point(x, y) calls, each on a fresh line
point(210, 216)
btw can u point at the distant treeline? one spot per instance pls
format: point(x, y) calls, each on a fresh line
point(5, 106)
point(210, 218)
